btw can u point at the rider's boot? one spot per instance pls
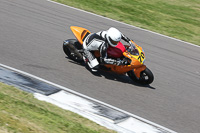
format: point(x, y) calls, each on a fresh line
point(91, 61)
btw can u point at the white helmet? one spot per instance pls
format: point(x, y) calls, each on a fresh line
point(113, 36)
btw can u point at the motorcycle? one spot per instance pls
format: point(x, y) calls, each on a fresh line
point(132, 56)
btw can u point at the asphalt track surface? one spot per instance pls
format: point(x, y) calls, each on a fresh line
point(31, 35)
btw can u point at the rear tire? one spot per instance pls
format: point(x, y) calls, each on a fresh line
point(146, 77)
point(71, 47)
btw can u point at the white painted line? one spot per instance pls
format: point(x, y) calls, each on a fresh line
point(125, 23)
point(82, 107)
point(87, 109)
point(89, 98)
point(137, 126)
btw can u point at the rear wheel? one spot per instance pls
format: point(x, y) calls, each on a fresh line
point(146, 77)
point(71, 47)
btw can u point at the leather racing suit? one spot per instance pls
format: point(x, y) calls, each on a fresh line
point(98, 41)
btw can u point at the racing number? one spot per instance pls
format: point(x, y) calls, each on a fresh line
point(141, 57)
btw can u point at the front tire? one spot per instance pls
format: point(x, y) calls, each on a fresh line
point(146, 77)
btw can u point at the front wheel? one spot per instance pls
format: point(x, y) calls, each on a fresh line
point(146, 77)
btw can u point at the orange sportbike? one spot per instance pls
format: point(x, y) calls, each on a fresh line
point(132, 56)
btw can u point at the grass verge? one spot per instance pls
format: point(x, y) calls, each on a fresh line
point(20, 112)
point(176, 18)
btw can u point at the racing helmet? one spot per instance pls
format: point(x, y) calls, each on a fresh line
point(113, 36)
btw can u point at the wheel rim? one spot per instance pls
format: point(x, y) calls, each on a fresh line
point(144, 76)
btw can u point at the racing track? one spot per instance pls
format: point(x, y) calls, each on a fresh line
point(31, 35)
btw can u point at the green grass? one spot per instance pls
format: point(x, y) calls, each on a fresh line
point(176, 18)
point(20, 112)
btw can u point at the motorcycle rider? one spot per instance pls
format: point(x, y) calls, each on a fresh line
point(101, 41)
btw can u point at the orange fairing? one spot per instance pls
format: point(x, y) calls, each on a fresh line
point(120, 69)
point(80, 33)
point(137, 71)
point(134, 61)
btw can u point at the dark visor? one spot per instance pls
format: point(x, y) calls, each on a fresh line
point(113, 42)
